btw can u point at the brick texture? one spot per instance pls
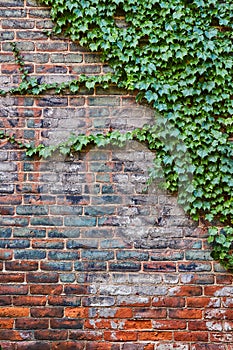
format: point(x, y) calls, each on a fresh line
point(88, 259)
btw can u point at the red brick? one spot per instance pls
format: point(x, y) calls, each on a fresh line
point(200, 302)
point(86, 335)
point(46, 289)
point(212, 290)
point(10, 335)
point(47, 312)
point(68, 345)
point(62, 300)
point(185, 314)
point(66, 323)
point(14, 199)
point(14, 311)
point(51, 334)
point(8, 345)
point(159, 266)
point(168, 302)
point(40, 277)
point(120, 335)
point(5, 300)
point(187, 291)
point(29, 300)
point(197, 326)
point(13, 289)
point(224, 279)
point(21, 265)
point(33, 345)
point(191, 336)
point(11, 277)
point(31, 323)
point(98, 346)
point(154, 336)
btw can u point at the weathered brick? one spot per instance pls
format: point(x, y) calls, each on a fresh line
point(33, 345)
point(56, 266)
point(45, 289)
point(40, 277)
point(21, 265)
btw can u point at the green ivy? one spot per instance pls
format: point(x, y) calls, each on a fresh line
point(178, 55)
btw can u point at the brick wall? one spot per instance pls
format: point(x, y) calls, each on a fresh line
point(89, 260)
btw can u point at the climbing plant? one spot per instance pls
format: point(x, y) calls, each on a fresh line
point(178, 56)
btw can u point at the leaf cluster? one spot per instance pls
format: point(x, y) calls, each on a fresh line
point(178, 55)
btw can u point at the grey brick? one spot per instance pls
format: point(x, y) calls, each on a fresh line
point(61, 255)
point(104, 101)
point(99, 210)
point(56, 266)
point(15, 243)
point(12, 221)
point(67, 277)
point(46, 221)
point(69, 233)
point(198, 255)
point(13, 13)
point(125, 266)
point(99, 301)
point(80, 221)
point(5, 188)
point(90, 266)
point(97, 255)
point(18, 24)
point(82, 243)
point(65, 210)
point(32, 210)
point(132, 255)
point(69, 58)
point(29, 232)
point(30, 254)
point(5, 232)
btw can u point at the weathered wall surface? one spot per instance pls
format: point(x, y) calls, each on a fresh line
point(89, 260)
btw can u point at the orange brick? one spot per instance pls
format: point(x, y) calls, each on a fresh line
point(99, 324)
point(6, 324)
point(191, 336)
point(138, 324)
point(120, 336)
point(14, 312)
point(169, 324)
point(10, 335)
point(124, 313)
point(74, 312)
point(185, 314)
point(155, 336)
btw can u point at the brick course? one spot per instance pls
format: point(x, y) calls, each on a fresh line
point(88, 259)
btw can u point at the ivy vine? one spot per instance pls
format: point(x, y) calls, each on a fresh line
point(178, 56)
